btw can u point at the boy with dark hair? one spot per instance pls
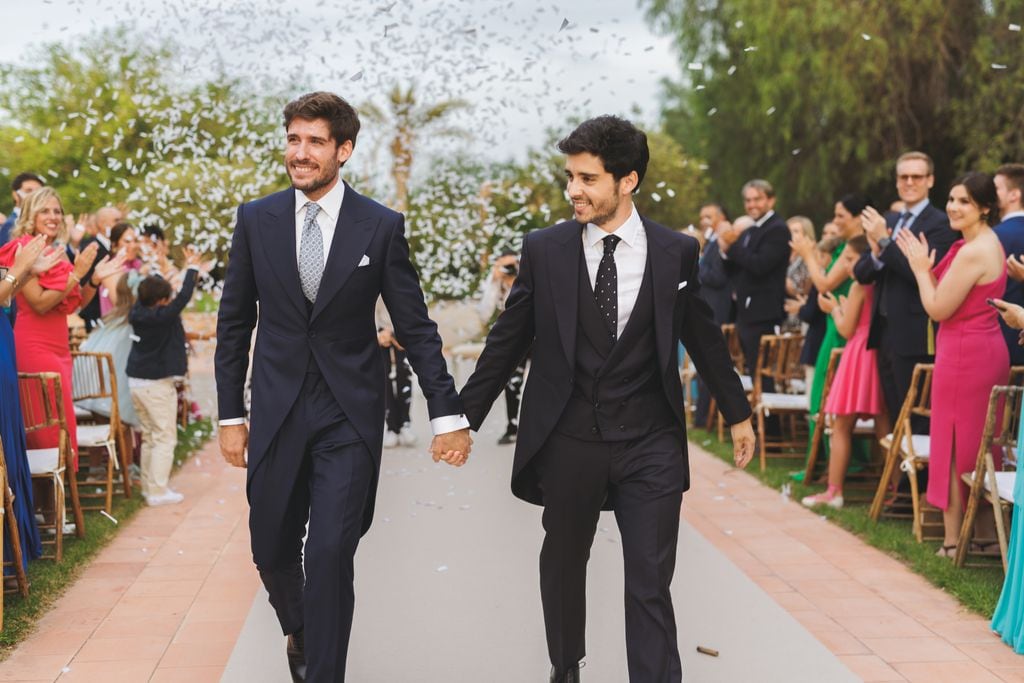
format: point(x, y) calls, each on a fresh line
point(22, 186)
point(156, 361)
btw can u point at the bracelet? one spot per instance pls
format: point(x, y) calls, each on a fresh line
point(10, 278)
point(74, 277)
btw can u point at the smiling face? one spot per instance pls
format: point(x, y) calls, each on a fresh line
point(848, 224)
point(756, 203)
point(48, 220)
point(312, 156)
point(913, 180)
point(595, 194)
point(129, 242)
point(961, 209)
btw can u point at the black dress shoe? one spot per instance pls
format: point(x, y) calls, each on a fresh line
point(508, 437)
point(572, 675)
point(296, 651)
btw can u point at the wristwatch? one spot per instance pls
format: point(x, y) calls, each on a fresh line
point(884, 242)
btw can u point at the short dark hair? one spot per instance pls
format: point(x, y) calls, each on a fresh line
point(982, 191)
point(858, 243)
point(855, 203)
point(154, 289)
point(154, 231)
point(20, 179)
point(1014, 174)
point(119, 230)
point(717, 205)
point(621, 146)
point(340, 115)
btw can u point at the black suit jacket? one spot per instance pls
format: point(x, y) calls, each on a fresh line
point(339, 334)
point(1011, 236)
point(91, 311)
point(715, 284)
point(907, 323)
point(758, 267)
point(542, 310)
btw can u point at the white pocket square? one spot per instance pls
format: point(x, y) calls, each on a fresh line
point(365, 261)
point(682, 284)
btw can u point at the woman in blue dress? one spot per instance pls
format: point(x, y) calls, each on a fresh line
point(15, 269)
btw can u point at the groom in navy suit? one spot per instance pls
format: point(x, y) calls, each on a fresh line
point(1009, 180)
point(309, 263)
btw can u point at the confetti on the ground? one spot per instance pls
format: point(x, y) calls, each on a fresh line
point(104, 513)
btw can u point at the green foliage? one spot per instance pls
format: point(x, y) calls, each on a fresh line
point(821, 96)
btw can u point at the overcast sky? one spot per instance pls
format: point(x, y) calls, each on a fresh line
point(513, 60)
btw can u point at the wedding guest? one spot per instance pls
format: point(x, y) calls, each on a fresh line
point(716, 289)
point(18, 265)
point(970, 354)
point(856, 390)
point(798, 282)
point(98, 233)
point(123, 240)
point(1009, 181)
point(398, 385)
point(810, 314)
point(22, 186)
point(829, 230)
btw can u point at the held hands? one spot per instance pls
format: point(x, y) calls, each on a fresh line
point(742, 443)
point(233, 441)
point(873, 224)
point(920, 258)
point(452, 447)
point(1015, 267)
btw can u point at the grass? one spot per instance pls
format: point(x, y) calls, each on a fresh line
point(48, 580)
point(977, 588)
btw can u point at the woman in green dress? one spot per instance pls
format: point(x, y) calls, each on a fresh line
point(837, 280)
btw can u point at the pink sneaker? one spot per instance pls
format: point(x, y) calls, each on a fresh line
point(832, 497)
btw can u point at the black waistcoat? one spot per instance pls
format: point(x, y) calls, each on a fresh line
point(617, 393)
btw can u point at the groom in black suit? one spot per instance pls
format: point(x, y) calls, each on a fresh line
point(309, 263)
point(603, 300)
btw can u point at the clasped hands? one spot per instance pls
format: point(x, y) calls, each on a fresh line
point(453, 447)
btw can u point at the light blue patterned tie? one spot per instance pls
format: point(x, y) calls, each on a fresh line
point(311, 253)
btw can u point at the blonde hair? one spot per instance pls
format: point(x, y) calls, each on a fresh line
point(917, 156)
point(31, 206)
point(805, 224)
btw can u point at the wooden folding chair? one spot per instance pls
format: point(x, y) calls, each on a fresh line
point(732, 342)
point(42, 407)
point(778, 359)
point(10, 525)
point(819, 433)
point(910, 452)
point(102, 443)
point(994, 487)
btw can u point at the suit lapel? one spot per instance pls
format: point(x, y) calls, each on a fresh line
point(277, 235)
point(352, 235)
point(564, 273)
point(664, 257)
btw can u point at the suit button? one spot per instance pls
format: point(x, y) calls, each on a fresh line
point(622, 428)
point(593, 430)
point(596, 405)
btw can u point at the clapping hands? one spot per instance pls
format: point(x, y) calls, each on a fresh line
point(920, 258)
point(452, 447)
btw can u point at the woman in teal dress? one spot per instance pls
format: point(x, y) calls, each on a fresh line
point(836, 280)
point(1008, 619)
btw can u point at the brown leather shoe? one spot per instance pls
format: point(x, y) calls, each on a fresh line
point(572, 675)
point(296, 651)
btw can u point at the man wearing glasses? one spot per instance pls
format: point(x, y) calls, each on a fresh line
point(900, 328)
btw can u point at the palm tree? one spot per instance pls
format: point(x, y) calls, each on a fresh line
point(407, 120)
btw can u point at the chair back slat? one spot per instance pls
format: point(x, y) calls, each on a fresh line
point(42, 404)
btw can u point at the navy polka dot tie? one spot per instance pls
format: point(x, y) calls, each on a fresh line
point(606, 289)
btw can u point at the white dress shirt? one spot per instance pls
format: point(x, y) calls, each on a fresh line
point(1012, 214)
point(914, 212)
point(327, 220)
point(630, 261)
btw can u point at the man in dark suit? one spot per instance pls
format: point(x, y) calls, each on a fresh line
point(315, 258)
point(604, 300)
point(22, 186)
point(715, 288)
point(757, 259)
point(1009, 180)
point(900, 328)
point(98, 231)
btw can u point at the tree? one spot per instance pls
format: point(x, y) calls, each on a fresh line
point(821, 96)
point(408, 121)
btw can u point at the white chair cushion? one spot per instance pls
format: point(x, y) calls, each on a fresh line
point(784, 402)
point(922, 444)
point(747, 382)
point(798, 386)
point(1004, 481)
point(81, 412)
point(43, 460)
point(93, 435)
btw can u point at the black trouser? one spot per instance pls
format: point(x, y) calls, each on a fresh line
point(642, 481)
point(317, 469)
point(398, 392)
point(896, 373)
point(513, 394)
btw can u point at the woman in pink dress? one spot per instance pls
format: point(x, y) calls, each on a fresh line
point(43, 304)
point(856, 389)
point(970, 353)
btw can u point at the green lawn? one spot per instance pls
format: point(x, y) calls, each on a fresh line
point(48, 580)
point(976, 587)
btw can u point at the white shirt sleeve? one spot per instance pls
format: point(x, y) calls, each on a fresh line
point(448, 423)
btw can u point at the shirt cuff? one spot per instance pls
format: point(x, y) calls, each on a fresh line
point(448, 423)
point(231, 421)
point(879, 263)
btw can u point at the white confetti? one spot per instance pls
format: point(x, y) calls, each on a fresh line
point(695, 66)
point(865, 36)
point(104, 513)
point(442, 568)
point(998, 66)
point(1014, 27)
